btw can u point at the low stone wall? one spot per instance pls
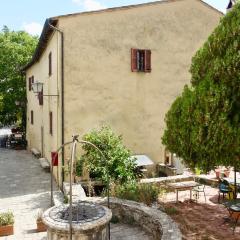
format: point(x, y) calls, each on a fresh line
point(155, 222)
point(170, 179)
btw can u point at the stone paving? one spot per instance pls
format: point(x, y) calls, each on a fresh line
point(24, 190)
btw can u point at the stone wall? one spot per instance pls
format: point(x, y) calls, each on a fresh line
point(155, 222)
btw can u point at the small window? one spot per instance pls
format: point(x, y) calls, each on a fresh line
point(30, 83)
point(141, 60)
point(50, 123)
point(50, 64)
point(32, 121)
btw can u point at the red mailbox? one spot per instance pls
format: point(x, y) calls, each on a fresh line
point(54, 156)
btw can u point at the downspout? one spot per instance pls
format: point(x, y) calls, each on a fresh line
point(62, 89)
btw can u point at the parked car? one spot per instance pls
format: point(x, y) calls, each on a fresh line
point(16, 139)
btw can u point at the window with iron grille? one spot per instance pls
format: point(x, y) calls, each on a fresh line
point(140, 60)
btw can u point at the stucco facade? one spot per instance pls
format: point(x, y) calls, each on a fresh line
point(99, 86)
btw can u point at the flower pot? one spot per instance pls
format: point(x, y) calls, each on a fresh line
point(41, 227)
point(217, 171)
point(226, 173)
point(6, 230)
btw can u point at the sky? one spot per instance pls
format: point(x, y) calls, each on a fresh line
point(30, 15)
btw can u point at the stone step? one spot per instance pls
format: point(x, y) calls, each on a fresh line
point(78, 192)
point(58, 198)
point(36, 153)
point(44, 164)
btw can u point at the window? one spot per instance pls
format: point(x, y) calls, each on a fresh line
point(141, 60)
point(50, 123)
point(30, 82)
point(32, 117)
point(50, 64)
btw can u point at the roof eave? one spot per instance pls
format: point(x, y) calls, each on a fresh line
point(42, 43)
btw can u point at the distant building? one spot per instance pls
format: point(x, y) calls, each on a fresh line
point(121, 66)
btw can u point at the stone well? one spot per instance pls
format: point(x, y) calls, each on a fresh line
point(89, 222)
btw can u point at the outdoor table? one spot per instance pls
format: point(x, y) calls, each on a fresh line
point(233, 208)
point(183, 186)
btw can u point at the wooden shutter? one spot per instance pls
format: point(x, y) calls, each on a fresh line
point(50, 64)
point(32, 79)
point(30, 83)
point(134, 60)
point(32, 121)
point(50, 123)
point(147, 62)
point(40, 98)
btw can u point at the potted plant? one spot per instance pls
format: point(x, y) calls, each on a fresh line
point(227, 172)
point(41, 227)
point(6, 223)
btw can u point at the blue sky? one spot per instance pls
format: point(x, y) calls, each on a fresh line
point(30, 15)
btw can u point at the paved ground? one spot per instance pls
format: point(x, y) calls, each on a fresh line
point(200, 221)
point(24, 189)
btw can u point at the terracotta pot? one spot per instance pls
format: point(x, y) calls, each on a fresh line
point(6, 230)
point(41, 227)
point(226, 173)
point(217, 171)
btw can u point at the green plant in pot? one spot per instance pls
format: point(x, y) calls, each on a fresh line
point(41, 227)
point(6, 223)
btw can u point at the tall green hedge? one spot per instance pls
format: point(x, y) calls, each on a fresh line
point(203, 124)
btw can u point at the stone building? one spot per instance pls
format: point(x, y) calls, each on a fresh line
point(121, 66)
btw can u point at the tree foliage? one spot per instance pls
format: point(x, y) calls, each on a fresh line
point(117, 157)
point(16, 49)
point(203, 124)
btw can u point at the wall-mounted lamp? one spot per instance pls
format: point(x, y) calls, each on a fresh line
point(37, 88)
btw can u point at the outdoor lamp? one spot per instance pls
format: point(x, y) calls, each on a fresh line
point(37, 87)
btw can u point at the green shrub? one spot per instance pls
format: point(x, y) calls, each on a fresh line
point(114, 219)
point(121, 167)
point(145, 193)
point(6, 218)
point(171, 210)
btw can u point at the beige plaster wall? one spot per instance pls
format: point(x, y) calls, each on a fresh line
point(52, 85)
point(100, 87)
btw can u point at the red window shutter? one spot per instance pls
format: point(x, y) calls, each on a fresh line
point(32, 121)
point(30, 84)
point(50, 123)
point(147, 62)
point(134, 60)
point(40, 98)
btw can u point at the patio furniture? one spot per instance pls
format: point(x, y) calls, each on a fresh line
point(200, 189)
point(233, 208)
point(183, 186)
point(232, 183)
point(224, 188)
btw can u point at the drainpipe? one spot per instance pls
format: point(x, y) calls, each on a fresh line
point(62, 89)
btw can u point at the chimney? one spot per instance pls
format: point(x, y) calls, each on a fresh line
point(230, 5)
